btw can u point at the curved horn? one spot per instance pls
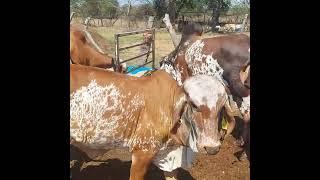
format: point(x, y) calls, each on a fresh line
point(244, 74)
point(231, 124)
point(237, 87)
point(231, 110)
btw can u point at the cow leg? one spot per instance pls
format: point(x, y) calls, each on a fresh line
point(140, 163)
point(246, 138)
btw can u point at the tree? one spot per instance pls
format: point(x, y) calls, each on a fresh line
point(217, 7)
point(160, 7)
point(172, 7)
point(240, 7)
point(95, 8)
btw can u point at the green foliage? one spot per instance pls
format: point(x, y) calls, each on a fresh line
point(240, 7)
point(161, 6)
point(95, 8)
point(143, 10)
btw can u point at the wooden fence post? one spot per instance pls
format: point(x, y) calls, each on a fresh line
point(87, 21)
point(116, 53)
point(149, 40)
point(244, 22)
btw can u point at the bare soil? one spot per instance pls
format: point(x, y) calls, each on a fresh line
point(115, 165)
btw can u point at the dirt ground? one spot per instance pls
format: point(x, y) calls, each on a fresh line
point(115, 165)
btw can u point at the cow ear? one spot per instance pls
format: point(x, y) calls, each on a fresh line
point(232, 108)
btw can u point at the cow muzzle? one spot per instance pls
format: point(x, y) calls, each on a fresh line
point(212, 150)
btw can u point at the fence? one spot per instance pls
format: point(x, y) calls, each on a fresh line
point(122, 22)
point(118, 49)
point(205, 19)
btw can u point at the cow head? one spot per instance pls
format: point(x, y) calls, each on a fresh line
point(205, 97)
point(192, 29)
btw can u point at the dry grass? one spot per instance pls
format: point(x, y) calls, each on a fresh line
point(163, 46)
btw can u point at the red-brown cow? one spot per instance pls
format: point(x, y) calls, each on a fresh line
point(81, 51)
point(224, 56)
point(146, 114)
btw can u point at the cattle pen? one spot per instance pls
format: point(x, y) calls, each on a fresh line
point(115, 164)
point(150, 50)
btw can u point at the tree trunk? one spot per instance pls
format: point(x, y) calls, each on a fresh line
point(244, 22)
point(172, 9)
point(179, 9)
point(215, 18)
point(87, 22)
point(175, 39)
point(128, 14)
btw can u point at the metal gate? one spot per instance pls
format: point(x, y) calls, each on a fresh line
point(119, 49)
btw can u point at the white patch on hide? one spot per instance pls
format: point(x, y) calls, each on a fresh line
point(194, 52)
point(200, 63)
point(204, 90)
point(146, 143)
point(176, 75)
point(89, 106)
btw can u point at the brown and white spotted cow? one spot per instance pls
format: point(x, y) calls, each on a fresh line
point(225, 56)
point(148, 115)
point(84, 51)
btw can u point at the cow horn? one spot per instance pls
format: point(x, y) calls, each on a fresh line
point(231, 110)
point(237, 87)
point(231, 123)
point(244, 74)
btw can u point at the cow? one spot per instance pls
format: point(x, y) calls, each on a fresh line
point(147, 115)
point(224, 56)
point(194, 56)
point(82, 52)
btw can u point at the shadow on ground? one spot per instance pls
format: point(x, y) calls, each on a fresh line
point(111, 169)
